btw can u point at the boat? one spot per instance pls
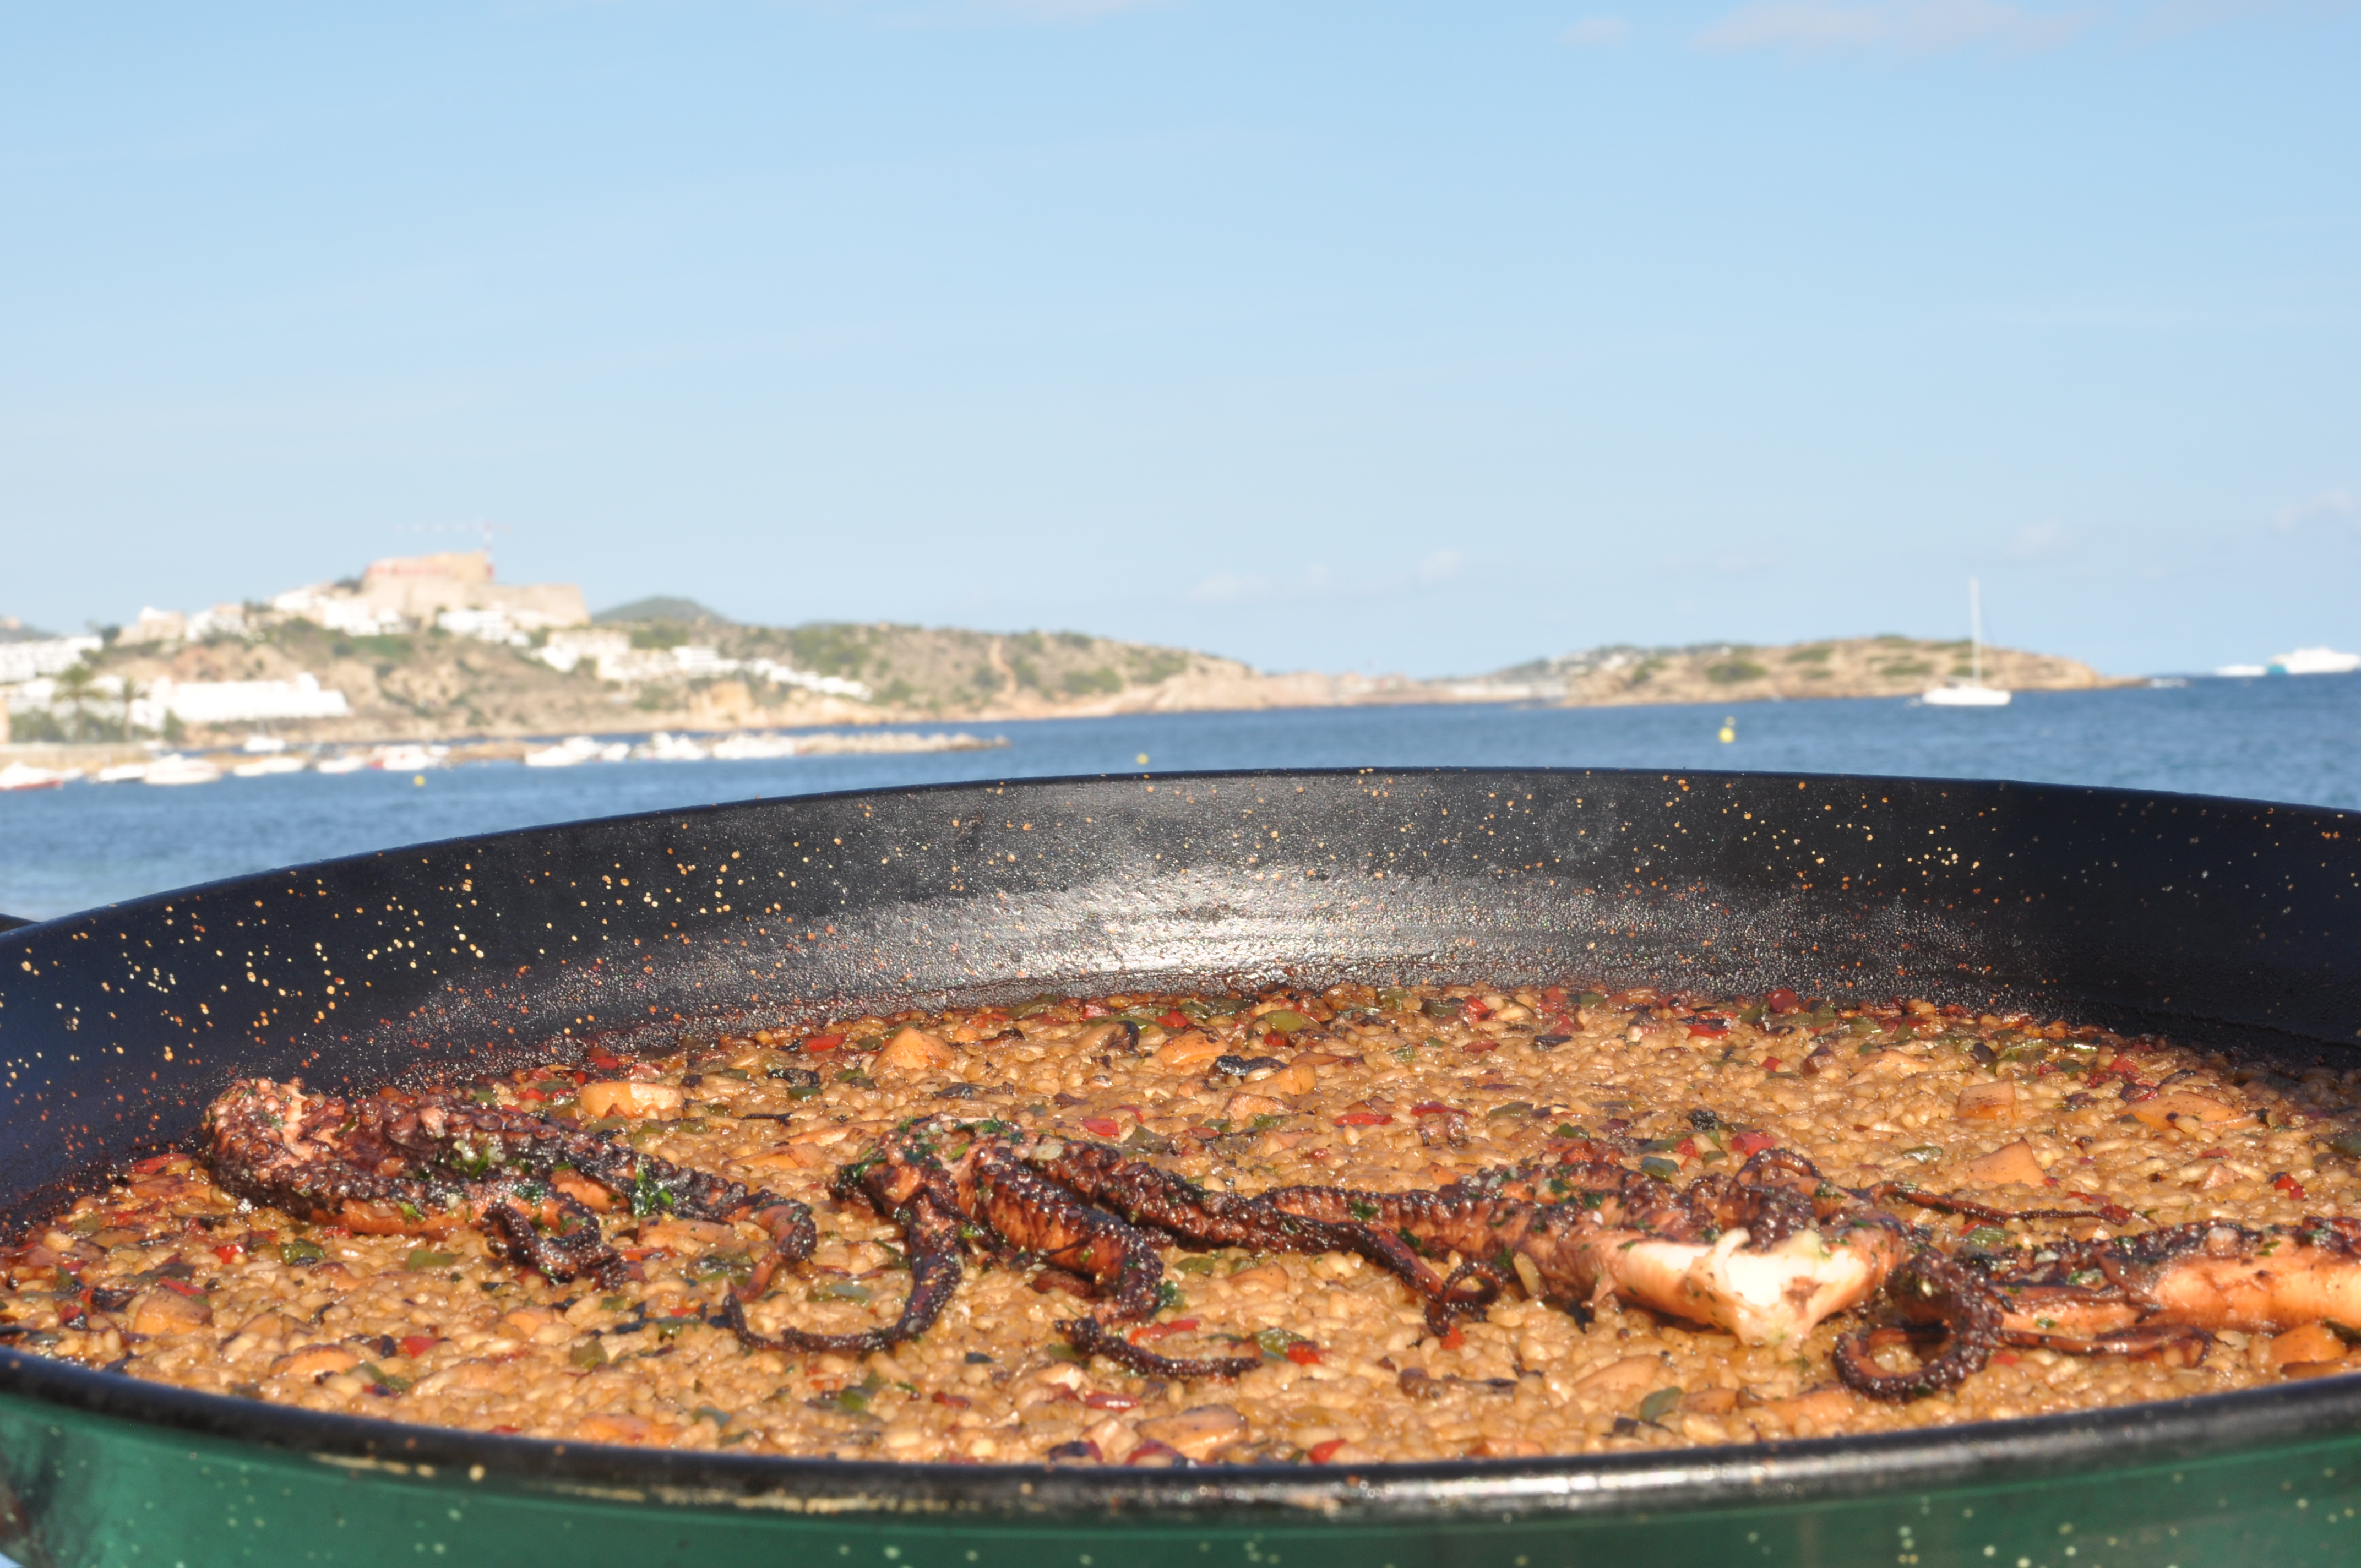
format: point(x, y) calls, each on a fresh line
point(409, 759)
point(1971, 692)
point(350, 762)
point(570, 752)
point(121, 773)
point(663, 748)
point(746, 748)
point(264, 767)
point(175, 769)
point(24, 775)
point(2314, 661)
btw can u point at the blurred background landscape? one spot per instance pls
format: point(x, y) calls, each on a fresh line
point(530, 398)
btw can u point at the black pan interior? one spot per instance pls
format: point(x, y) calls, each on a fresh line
point(2215, 921)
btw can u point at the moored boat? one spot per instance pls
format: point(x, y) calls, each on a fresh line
point(174, 769)
point(1971, 692)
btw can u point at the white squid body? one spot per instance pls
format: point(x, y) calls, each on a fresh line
point(1774, 1297)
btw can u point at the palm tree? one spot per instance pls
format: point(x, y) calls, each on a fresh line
point(77, 688)
point(132, 692)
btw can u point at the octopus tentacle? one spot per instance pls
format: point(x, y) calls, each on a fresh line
point(1044, 1218)
point(1148, 1196)
point(1930, 1288)
point(431, 1162)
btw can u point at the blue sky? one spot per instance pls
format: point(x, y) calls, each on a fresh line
point(1369, 335)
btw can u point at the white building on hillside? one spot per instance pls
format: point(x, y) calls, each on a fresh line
point(156, 626)
point(566, 649)
point(339, 611)
point(492, 625)
point(49, 656)
point(236, 702)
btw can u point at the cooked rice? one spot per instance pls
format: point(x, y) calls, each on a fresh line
point(166, 1278)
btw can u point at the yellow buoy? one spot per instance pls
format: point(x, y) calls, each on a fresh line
point(419, 779)
point(1143, 759)
point(1729, 731)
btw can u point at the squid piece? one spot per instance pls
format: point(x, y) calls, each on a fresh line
point(2184, 1281)
point(1746, 1253)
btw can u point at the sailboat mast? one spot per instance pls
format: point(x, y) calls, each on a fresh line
point(1975, 633)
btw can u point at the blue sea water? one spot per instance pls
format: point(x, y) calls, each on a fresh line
point(2289, 739)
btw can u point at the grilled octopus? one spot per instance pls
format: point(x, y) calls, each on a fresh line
point(429, 1163)
point(1767, 1253)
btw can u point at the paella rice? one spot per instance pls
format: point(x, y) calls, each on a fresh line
point(691, 1336)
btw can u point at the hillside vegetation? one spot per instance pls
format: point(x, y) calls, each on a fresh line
point(435, 685)
point(1856, 666)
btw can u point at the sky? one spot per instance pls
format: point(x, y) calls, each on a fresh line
point(1377, 337)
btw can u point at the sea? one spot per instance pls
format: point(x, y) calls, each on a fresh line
point(2294, 738)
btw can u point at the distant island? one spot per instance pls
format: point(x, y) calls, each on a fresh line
point(433, 648)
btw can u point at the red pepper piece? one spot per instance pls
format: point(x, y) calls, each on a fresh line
point(1782, 1000)
point(1364, 1119)
point(1100, 1126)
point(819, 1043)
point(1454, 1339)
point(1304, 1354)
point(1710, 1028)
point(229, 1252)
point(1176, 1019)
point(1744, 1145)
point(152, 1164)
point(1323, 1452)
point(1686, 1148)
point(414, 1345)
point(1770, 1064)
point(1146, 1331)
point(182, 1287)
point(956, 1402)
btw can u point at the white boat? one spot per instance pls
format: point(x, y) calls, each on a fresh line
point(1971, 692)
point(408, 759)
point(615, 752)
point(264, 767)
point(748, 748)
point(2315, 662)
point(570, 752)
point(263, 745)
point(663, 748)
point(351, 762)
point(24, 775)
point(179, 770)
point(121, 773)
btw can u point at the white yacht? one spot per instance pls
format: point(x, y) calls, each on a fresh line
point(1971, 692)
